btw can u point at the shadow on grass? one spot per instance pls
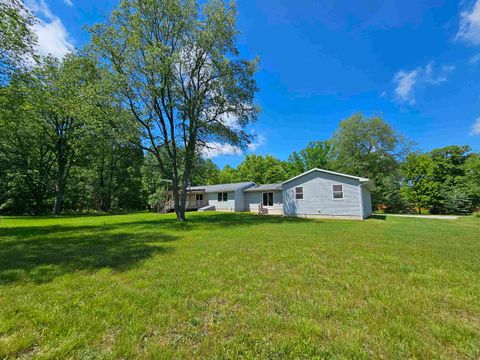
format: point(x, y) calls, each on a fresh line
point(378, 217)
point(195, 221)
point(41, 256)
point(41, 253)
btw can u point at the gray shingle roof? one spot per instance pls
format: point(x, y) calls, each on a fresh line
point(264, 187)
point(221, 187)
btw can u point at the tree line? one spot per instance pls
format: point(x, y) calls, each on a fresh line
point(110, 126)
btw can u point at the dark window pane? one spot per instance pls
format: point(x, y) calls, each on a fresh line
point(225, 196)
point(338, 195)
point(299, 192)
point(337, 187)
point(219, 196)
point(270, 199)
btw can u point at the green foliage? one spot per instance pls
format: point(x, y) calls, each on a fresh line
point(458, 201)
point(472, 178)
point(394, 200)
point(317, 154)
point(17, 42)
point(420, 186)
point(228, 175)
point(177, 69)
point(262, 169)
point(368, 147)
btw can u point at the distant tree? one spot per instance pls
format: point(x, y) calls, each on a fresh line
point(205, 172)
point(17, 42)
point(262, 169)
point(26, 160)
point(228, 175)
point(368, 147)
point(178, 70)
point(393, 196)
point(56, 92)
point(449, 174)
point(317, 154)
point(472, 178)
point(419, 186)
point(458, 201)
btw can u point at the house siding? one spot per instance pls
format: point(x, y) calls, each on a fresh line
point(228, 205)
point(366, 202)
point(253, 199)
point(239, 200)
point(318, 196)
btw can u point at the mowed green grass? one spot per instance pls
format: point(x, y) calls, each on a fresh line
point(238, 285)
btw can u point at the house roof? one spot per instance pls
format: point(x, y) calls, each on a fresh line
point(362, 180)
point(221, 187)
point(264, 187)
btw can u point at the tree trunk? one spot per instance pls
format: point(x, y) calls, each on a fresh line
point(63, 169)
point(58, 205)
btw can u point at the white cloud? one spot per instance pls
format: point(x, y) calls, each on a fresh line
point(474, 59)
point(408, 81)
point(469, 29)
point(230, 120)
point(68, 2)
point(53, 38)
point(476, 127)
point(260, 141)
point(405, 83)
point(215, 149)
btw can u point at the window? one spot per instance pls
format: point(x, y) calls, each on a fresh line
point(299, 192)
point(268, 199)
point(199, 197)
point(222, 196)
point(338, 191)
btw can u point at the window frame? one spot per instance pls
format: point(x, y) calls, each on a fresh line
point(263, 198)
point(337, 192)
point(222, 196)
point(297, 193)
point(199, 197)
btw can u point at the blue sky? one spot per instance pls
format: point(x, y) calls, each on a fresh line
point(417, 63)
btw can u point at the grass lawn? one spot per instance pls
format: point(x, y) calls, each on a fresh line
point(238, 285)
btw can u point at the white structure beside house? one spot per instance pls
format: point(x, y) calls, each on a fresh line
point(314, 194)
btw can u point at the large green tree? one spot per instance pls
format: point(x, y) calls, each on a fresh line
point(262, 169)
point(420, 186)
point(472, 178)
point(26, 160)
point(177, 69)
point(317, 154)
point(368, 147)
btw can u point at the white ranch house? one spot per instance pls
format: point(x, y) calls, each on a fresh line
point(315, 194)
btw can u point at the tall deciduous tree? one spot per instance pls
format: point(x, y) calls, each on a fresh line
point(420, 186)
point(317, 154)
point(57, 92)
point(178, 70)
point(368, 147)
point(262, 169)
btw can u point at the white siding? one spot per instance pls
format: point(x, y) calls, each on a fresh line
point(253, 199)
point(239, 200)
point(228, 205)
point(366, 202)
point(318, 196)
